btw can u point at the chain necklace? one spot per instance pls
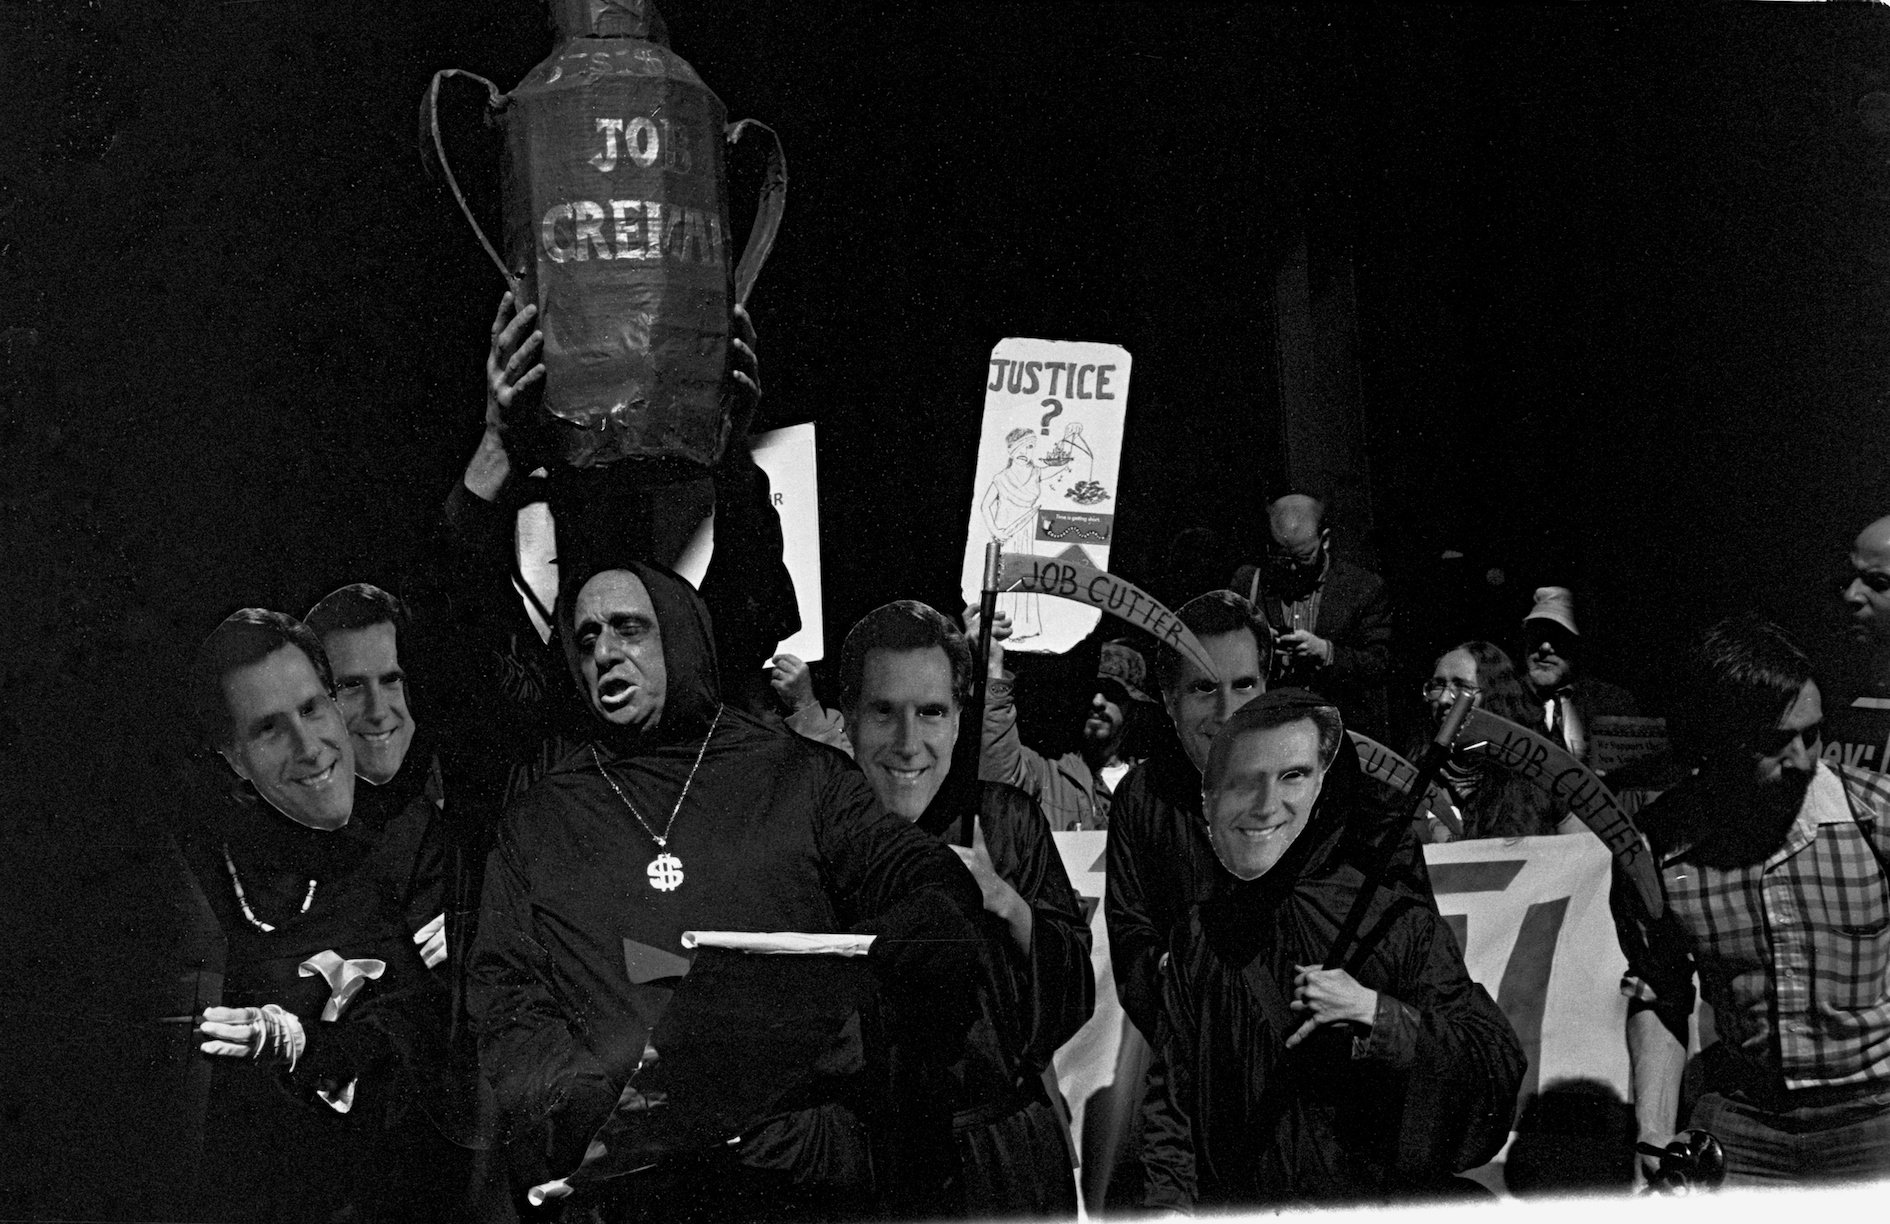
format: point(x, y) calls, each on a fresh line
point(665, 870)
point(243, 901)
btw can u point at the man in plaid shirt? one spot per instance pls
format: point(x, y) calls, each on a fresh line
point(1773, 865)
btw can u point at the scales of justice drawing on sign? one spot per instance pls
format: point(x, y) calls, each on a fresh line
point(1046, 484)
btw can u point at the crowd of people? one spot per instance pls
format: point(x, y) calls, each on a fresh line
point(474, 855)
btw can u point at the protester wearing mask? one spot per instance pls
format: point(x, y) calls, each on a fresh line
point(360, 628)
point(905, 672)
point(331, 1036)
point(1283, 1083)
point(1331, 619)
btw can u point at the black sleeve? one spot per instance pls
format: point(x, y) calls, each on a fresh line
point(1136, 940)
point(1168, 1105)
point(892, 880)
point(1462, 1057)
point(552, 1093)
point(747, 587)
point(386, 1029)
point(1364, 657)
point(1059, 981)
point(1659, 952)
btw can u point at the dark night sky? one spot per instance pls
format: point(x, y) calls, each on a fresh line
point(1622, 278)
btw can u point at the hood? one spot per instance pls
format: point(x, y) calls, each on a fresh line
point(692, 690)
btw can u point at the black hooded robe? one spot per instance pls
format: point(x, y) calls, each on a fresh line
point(282, 1153)
point(1234, 1120)
point(1013, 1156)
point(576, 950)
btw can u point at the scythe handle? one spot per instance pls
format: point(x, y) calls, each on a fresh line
point(1435, 754)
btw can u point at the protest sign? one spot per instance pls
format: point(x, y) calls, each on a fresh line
point(1548, 766)
point(1383, 765)
point(1046, 476)
point(787, 456)
point(1858, 735)
point(1616, 740)
point(1072, 580)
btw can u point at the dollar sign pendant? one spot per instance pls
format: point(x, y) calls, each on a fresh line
point(665, 872)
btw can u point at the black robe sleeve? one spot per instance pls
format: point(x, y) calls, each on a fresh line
point(888, 878)
point(1136, 942)
point(552, 1093)
point(1055, 980)
point(1462, 1058)
point(1167, 1129)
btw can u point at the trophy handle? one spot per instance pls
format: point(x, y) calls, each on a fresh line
point(767, 213)
point(430, 134)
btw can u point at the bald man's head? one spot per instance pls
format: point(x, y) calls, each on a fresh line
point(1296, 519)
point(1298, 555)
point(1868, 594)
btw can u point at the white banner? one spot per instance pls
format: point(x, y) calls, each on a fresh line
point(1046, 483)
point(1532, 917)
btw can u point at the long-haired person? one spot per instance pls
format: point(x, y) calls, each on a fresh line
point(1491, 800)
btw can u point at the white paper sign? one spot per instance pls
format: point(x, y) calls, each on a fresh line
point(1047, 465)
point(787, 456)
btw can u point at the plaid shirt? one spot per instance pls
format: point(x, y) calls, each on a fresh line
point(1793, 952)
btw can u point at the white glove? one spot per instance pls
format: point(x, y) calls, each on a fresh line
point(253, 1032)
point(432, 941)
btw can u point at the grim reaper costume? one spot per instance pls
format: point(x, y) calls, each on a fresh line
point(1013, 1157)
point(370, 1123)
point(578, 948)
point(1236, 1120)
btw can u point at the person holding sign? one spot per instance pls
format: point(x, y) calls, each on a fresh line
point(1076, 788)
point(1774, 868)
point(1284, 1083)
point(905, 672)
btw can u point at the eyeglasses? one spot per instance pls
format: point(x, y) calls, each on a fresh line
point(1434, 688)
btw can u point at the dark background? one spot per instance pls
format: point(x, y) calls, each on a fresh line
point(1622, 281)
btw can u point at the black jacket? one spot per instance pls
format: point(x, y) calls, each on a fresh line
point(1234, 1120)
point(1355, 616)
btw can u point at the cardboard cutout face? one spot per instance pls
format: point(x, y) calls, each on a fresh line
point(372, 692)
point(1198, 703)
point(1261, 801)
point(905, 726)
point(288, 739)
